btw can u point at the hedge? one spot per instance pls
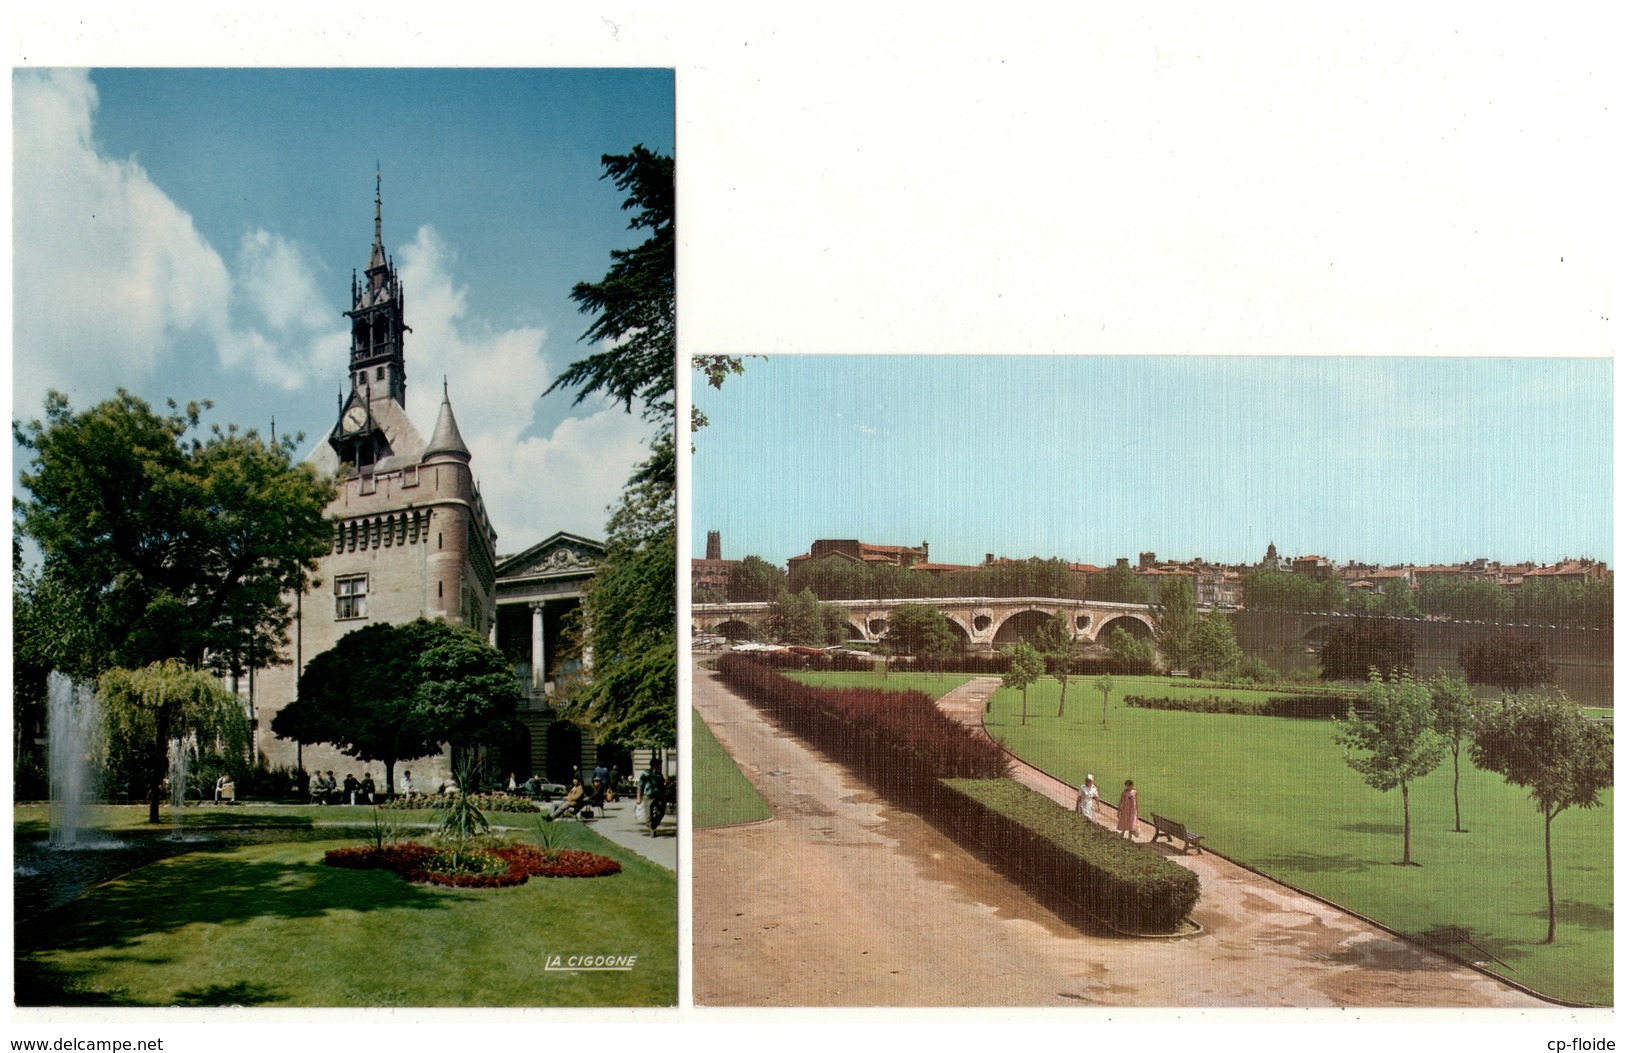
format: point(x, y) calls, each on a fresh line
point(1069, 861)
point(1308, 707)
point(999, 664)
point(903, 745)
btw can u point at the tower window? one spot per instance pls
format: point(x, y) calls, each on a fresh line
point(380, 374)
point(350, 594)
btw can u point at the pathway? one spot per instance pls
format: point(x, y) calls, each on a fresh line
point(843, 899)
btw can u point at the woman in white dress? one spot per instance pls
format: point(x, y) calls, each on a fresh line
point(1088, 794)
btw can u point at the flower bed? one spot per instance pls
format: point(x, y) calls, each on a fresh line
point(496, 867)
point(485, 802)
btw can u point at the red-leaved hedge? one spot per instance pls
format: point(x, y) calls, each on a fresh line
point(898, 741)
point(410, 860)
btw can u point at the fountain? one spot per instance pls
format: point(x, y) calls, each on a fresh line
point(73, 715)
point(177, 787)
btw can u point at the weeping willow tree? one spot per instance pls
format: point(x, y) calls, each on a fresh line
point(146, 708)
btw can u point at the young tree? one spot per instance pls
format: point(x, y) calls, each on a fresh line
point(920, 629)
point(1364, 644)
point(174, 545)
point(1506, 660)
point(1454, 712)
point(1545, 743)
point(1026, 666)
point(145, 708)
point(799, 618)
point(1398, 744)
point(1104, 685)
point(1055, 642)
point(1176, 621)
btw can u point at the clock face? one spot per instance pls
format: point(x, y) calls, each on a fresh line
point(354, 418)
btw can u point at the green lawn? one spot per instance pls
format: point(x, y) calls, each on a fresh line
point(268, 923)
point(934, 684)
point(1276, 793)
point(722, 795)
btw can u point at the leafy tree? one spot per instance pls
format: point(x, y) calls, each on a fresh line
point(1397, 744)
point(173, 545)
point(1119, 584)
point(1276, 590)
point(389, 693)
point(1131, 651)
point(1399, 600)
point(754, 580)
point(1104, 685)
point(1213, 644)
point(1454, 712)
point(798, 618)
point(358, 695)
point(1055, 643)
point(635, 304)
point(629, 693)
point(1024, 577)
point(145, 708)
point(920, 629)
point(1543, 742)
point(1175, 620)
point(1026, 666)
point(1363, 644)
point(1506, 660)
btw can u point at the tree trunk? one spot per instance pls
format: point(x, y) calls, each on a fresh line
point(1059, 713)
point(1551, 891)
point(1405, 796)
point(1456, 790)
point(1023, 706)
point(389, 776)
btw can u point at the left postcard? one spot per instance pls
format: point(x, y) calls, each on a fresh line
point(345, 604)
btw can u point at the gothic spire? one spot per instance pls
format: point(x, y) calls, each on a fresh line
point(378, 259)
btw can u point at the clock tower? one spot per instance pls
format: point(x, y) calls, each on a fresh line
point(377, 360)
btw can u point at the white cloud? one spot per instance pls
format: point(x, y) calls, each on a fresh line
point(277, 286)
point(533, 485)
point(108, 271)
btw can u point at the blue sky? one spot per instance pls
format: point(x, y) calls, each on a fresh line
point(191, 234)
point(1091, 458)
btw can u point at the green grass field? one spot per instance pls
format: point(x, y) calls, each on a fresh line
point(934, 684)
point(268, 923)
point(1276, 794)
point(722, 795)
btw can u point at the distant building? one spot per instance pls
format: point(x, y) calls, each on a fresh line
point(709, 576)
point(863, 552)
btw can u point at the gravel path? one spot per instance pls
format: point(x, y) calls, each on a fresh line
point(843, 899)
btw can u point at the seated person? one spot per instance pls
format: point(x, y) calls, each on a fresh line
point(573, 800)
point(533, 787)
point(596, 795)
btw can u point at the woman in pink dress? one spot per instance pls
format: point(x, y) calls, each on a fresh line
point(1128, 810)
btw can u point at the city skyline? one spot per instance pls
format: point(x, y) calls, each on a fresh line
point(191, 234)
point(1370, 460)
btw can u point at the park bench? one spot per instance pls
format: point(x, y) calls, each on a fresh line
point(1171, 829)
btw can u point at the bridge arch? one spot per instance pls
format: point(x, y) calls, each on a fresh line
point(1020, 626)
point(1314, 637)
point(735, 629)
point(1136, 625)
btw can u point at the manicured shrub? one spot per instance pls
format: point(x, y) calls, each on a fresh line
point(1069, 861)
point(1199, 704)
point(1313, 707)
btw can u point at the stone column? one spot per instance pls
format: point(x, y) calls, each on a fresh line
point(538, 646)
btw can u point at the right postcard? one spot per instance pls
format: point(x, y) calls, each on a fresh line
point(1153, 681)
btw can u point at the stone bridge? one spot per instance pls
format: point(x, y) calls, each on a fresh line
point(983, 624)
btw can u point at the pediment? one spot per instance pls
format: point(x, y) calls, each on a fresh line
point(562, 554)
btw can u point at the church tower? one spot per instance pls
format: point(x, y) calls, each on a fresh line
point(377, 356)
point(411, 536)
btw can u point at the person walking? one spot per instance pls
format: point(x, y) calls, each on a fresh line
point(1088, 794)
point(1128, 810)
